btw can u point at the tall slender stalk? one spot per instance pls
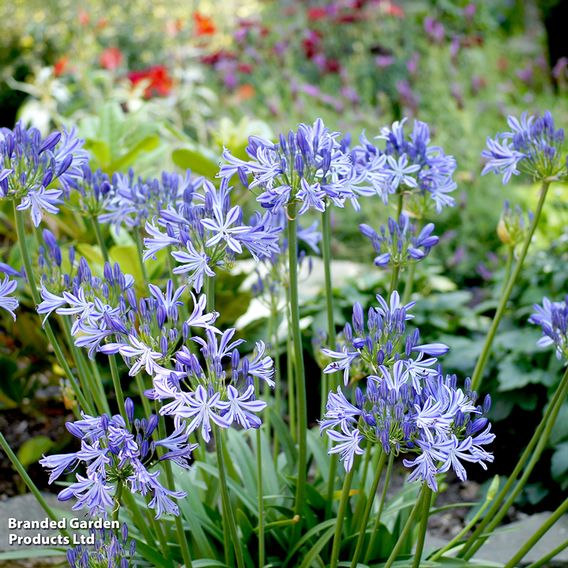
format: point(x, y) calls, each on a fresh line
point(482, 361)
point(61, 359)
point(381, 507)
point(228, 511)
point(368, 508)
point(538, 534)
point(100, 239)
point(426, 501)
point(260, 496)
point(532, 453)
point(549, 555)
point(407, 528)
point(340, 516)
point(326, 252)
point(140, 249)
point(300, 378)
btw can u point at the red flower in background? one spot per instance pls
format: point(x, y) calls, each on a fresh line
point(159, 81)
point(203, 24)
point(84, 17)
point(315, 14)
point(60, 66)
point(111, 58)
point(394, 10)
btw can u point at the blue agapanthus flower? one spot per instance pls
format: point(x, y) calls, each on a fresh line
point(533, 145)
point(405, 404)
point(8, 302)
point(438, 426)
point(36, 171)
point(114, 451)
point(397, 244)
point(552, 317)
point(366, 346)
point(205, 232)
point(307, 167)
point(409, 165)
point(220, 392)
point(132, 201)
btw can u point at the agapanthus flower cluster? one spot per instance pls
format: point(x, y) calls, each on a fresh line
point(533, 146)
point(133, 201)
point(397, 244)
point(205, 232)
point(8, 302)
point(513, 226)
point(221, 391)
point(110, 318)
point(92, 193)
point(406, 405)
point(35, 171)
point(365, 346)
point(116, 453)
point(109, 549)
point(406, 165)
point(553, 319)
point(307, 167)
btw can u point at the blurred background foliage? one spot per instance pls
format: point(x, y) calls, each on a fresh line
point(162, 85)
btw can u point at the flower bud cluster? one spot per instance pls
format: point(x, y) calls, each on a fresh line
point(397, 244)
point(533, 146)
point(31, 167)
point(553, 319)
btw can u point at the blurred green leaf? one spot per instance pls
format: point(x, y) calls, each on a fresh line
point(33, 449)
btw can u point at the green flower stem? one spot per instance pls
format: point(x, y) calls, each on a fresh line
point(117, 498)
point(283, 523)
point(99, 384)
point(361, 501)
point(409, 283)
point(340, 516)
point(408, 526)
point(454, 542)
point(21, 234)
point(210, 293)
point(395, 273)
point(145, 402)
point(532, 453)
point(298, 361)
point(276, 355)
point(329, 379)
point(381, 506)
point(426, 502)
point(260, 495)
point(140, 249)
point(170, 484)
point(365, 519)
point(228, 511)
point(138, 517)
point(117, 387)
point(544, 528)
point(86, 376)
point(509, 265)
point(550, 555)
point(100, 240)
point(331, 485)
point(112, 358)
point(29, 483)
point(481, 362)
